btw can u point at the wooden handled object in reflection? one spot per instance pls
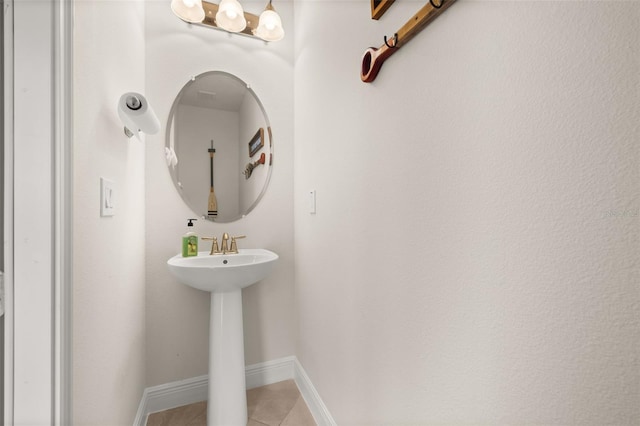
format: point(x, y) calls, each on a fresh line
point(373, 58)
point(212, 204)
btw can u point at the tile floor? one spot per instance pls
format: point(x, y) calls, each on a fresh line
point(279, 404)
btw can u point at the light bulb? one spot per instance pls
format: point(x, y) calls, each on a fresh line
point(230, 16)
point(269, 20)
point(188, 10)
point(270, 25)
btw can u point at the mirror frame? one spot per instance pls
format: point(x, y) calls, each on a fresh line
point(268, 133)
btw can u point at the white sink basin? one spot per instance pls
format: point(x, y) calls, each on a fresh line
point(221, 273)
point(224, 276)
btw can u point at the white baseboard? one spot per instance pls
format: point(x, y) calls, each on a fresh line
point(319, 411)
point(171, 395)
point(270, 372)
point(189, 391)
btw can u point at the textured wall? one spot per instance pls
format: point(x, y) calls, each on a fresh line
point(177, 315)
point(474, 258)
point(109, 275)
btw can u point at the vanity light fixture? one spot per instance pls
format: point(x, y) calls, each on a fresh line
point(188, 10)
point(230, 16)
point(270, 25)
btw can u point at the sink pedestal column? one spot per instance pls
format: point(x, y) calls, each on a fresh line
point(227, 403)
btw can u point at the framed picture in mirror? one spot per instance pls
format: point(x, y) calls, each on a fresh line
point(257, 142)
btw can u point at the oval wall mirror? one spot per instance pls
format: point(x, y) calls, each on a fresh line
point(219, 147)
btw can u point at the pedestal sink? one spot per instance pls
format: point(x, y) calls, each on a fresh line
point(224, 276)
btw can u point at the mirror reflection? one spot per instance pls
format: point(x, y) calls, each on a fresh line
point(218, 146)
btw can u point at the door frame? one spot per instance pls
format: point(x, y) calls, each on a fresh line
point(38, 211)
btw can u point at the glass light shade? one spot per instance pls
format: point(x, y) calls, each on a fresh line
point(188, 10)
point(230, 16)
point(270, 25)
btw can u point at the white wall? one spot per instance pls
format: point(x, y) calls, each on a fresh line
point(474, 257)
point(178, 316)
point(109, 252)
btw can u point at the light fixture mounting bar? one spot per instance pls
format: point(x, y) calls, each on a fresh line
point(210, 10)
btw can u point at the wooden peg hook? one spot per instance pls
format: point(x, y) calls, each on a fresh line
point(373, 58)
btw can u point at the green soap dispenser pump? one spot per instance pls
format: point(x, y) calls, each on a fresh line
point(190, 242)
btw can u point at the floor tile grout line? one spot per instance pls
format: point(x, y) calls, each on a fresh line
point(256, 421)
point(291, 410)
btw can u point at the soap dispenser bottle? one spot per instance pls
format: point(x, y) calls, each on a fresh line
point(190, 242)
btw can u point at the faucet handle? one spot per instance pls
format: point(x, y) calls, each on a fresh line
point(234, 245)
point(214, 245)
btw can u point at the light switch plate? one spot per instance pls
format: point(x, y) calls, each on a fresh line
point(312, 202)
point(107, 197)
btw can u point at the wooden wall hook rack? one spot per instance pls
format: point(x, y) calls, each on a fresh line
point(379, 7)
point(249, 169)
point(373, 58)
